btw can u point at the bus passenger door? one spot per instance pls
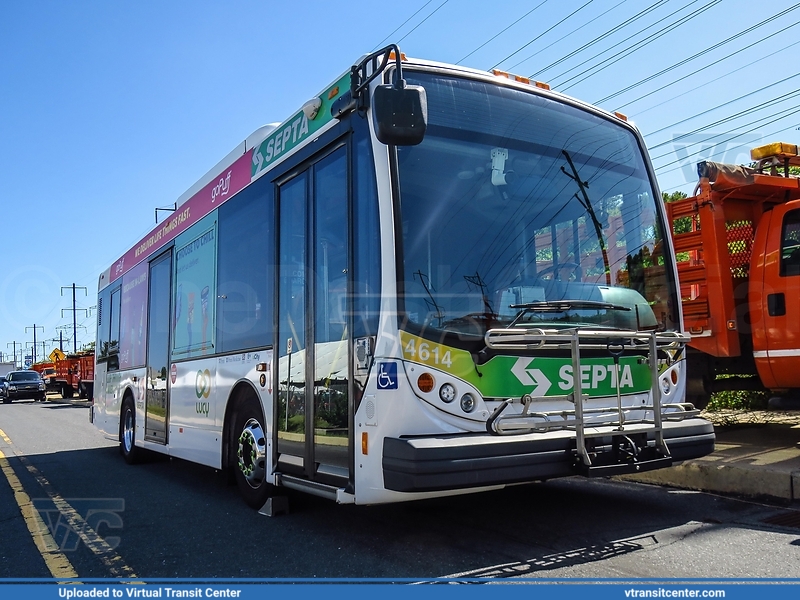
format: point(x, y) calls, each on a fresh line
point(313, 338)
point(157, 389)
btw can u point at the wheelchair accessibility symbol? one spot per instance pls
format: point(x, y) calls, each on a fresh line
point(387, 376)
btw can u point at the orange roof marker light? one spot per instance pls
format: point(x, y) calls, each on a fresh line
point(520, 79)
point(621, 116)
point(402, 56)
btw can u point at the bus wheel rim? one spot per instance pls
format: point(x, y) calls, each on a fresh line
point(127, 433)
point(252, 453)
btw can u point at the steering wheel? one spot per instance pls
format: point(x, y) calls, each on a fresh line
point(555, 270)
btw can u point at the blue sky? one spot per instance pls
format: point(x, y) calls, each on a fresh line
point(109, 109)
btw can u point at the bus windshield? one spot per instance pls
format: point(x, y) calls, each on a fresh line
point(519, 210)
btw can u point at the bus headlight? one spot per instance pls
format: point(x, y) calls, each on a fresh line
point(665, 386)
point(467, 403)
point(447, 393)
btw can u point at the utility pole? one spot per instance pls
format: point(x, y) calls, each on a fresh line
point(74, 313)
point(35, 327)
point(14, 344)
point(66, 338)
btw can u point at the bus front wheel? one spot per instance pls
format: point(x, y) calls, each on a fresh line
point(249, 446)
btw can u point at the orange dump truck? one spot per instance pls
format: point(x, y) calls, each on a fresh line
point(737, 242)
point(74, 373)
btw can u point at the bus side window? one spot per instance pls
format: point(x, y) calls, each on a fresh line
point(113, 338)
point(245, 277)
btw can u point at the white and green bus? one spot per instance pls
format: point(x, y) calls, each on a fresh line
point(393, 294)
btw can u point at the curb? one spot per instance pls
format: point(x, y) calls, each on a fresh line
point(725, 479)
point(750, 459)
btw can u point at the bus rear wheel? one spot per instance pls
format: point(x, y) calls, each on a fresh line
point(127, 433)
point(249, 449)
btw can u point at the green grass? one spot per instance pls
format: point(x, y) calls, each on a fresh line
point(744, 400)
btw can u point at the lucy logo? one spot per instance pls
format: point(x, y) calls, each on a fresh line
point(222, 188)
point(202, 384)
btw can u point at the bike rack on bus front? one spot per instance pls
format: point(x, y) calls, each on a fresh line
point(613, 422)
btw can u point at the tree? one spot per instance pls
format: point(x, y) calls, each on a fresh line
point(684, 224)
point(673, 196)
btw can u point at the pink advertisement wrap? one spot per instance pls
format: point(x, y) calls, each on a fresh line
point(225, 185)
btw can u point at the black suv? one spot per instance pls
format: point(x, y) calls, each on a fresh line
point(22, 385)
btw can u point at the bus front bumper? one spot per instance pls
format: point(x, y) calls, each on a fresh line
point(447, 462)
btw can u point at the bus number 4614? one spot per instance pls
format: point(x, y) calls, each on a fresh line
point(425, 353)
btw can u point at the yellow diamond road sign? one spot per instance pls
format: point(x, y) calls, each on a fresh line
point(56, 354)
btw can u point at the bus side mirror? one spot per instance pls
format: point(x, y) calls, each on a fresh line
point(400, 113)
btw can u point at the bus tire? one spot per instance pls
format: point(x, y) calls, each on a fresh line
point(249, 453)
point(127, 432)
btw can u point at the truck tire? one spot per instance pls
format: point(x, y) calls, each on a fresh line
point(699, 378)
point(66, 390)
point(699, 402)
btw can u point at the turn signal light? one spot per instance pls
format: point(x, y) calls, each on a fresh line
point(364, 443)
point(425, 382)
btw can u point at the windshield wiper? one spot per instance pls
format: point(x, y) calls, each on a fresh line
point(562, 306)
point(587, 204)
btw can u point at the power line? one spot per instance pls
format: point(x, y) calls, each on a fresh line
point(630, 37)
point(705, 51)
point(503, 31)
point(793, 110)
point(702, 85)
point(573, 13)
point(772, 101)
point(727, 149)
point(597, 39)
point(639, 45)
point(588, 22)
point(724, 104)
point(708, 139)
point(423, 20)
point(709, 65)
point(419, 10)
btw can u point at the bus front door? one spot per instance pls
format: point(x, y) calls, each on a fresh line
point(313, 379)
point(157, 390)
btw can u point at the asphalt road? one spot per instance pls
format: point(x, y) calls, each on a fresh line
point(169, 518)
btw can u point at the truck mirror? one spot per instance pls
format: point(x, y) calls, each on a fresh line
point(400, 113)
